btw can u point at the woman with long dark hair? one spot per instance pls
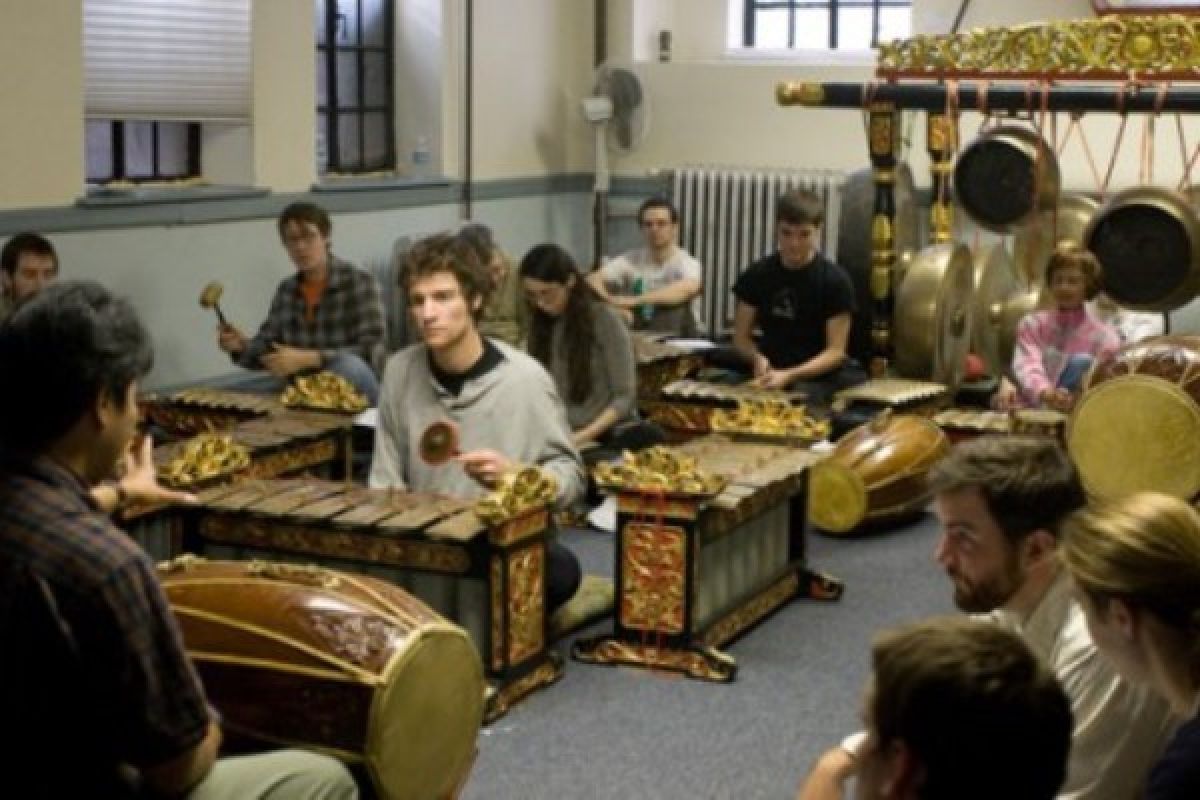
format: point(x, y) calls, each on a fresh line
point(586, 348)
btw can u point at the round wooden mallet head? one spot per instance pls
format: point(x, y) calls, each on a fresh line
point(210, 297)
point(439, 443)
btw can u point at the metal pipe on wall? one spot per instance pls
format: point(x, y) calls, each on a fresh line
point(468, 109)
point(600, 199)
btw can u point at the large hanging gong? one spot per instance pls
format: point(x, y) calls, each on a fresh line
point(1148, 242)
point(1004, 177)
point(932, 328)
point(856, 209)
point(1034, 242)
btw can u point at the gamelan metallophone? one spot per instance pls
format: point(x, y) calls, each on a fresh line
point(963, 423)
point(687, 406)
point(201, 408)
point(490, 579)
point(287, 443)
point(695, 570)
point(900, 394)
point(658, 364)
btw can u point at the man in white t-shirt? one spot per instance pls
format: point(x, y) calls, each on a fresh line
point(656, 287)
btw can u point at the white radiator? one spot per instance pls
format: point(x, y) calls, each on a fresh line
point(727, 221)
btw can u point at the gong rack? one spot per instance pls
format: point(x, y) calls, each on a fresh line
point(943, 74)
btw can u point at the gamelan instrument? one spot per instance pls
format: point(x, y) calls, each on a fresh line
point(1136, 424)
point(687, 406)
point(1004, 177)
point(658, 364)
point(963, 423)
point(897, 393)
point(349, 665)
point(933, 311)
point(875, 475)
point(480, 563)
point(438, 443)
point(323, 391)
point(1147, 240)
point(200, 409)
point(709, 542)
point(1034, 242)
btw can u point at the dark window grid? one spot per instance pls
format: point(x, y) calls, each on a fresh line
point(335, 108)
point(750, 19)
point(120, 169)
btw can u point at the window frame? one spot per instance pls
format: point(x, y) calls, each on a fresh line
point(831, 7)
point(332, 110)
point(120, 168)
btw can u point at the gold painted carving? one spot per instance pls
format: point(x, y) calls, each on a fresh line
point(751, 612)
point(519, 529)
point(526, 604)
point(293, 459)
point(704, 663)
point(882, 134)
point(653, 577)
point(504, 698)
point(324, 391)
point(203, 457)
point(658, 469)
point(770, 417)
point(517, 492)
point(1103, 47)
point(497, 606)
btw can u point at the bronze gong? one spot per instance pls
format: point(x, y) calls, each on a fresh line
point(1004, 177)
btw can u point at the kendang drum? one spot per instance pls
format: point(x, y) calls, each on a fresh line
point(876, 473)
point(345, 664)
point(1136, 426)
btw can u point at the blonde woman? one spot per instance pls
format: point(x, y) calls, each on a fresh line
point(1135, 565)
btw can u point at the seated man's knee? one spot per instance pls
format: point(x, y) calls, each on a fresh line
point(358, 372)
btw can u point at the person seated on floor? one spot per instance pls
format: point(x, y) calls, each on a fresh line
point(959, 708)
point(1135, 567)
point(1056, 347)
point(584, 345)
point(502, 401)
point(328, 316)
point(802, 302)
point(96, 691)
point(506, 317)
point(28, 264)
point(1000, 501)
point(656, 287)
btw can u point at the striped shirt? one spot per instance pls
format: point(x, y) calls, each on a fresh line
point(94, 678)
point(348, 319)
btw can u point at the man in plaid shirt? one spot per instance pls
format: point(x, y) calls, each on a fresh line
point(329, 315)
point(96, 691)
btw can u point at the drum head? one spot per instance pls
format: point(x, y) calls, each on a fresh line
point(1146, 239)
point(1004, 177)
point(837, 497)
point(425, 719)
point(1154, 426)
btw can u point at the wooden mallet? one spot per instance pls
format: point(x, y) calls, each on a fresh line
point(210, 297)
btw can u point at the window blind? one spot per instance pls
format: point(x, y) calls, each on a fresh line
point(167, 59)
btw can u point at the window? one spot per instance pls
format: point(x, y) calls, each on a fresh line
point(824, 24)
point(118, 150)
point(154, 71)
point(355, 105)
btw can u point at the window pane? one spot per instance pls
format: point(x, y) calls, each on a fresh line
point(375, 78)
point(347, 80)
point(373, 23)
point(98, 151)
point(895, 23)
point(376, 144)
point(347, 21)
point(770, 29)
point(322, 143)
point(854, 29)
point(139, 149)
point(320, 21)
point(172, 149)
point(812, 29)
point(349, 152)
point(322, 82)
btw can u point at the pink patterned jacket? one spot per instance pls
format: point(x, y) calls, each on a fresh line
point(1046, 339)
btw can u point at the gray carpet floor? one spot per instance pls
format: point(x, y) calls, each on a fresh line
point(605, 732)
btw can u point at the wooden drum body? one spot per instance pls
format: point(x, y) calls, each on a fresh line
point(1137, 423)
point(876, 473)
point(345, 664)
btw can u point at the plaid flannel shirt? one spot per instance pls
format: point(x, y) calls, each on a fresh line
point(348, 319)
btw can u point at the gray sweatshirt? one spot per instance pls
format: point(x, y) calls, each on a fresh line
point(614, 372)
point(512, 409)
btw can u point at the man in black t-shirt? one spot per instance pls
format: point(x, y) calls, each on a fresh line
point(803, 304)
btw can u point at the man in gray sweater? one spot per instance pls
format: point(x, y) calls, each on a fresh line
point(503, 402)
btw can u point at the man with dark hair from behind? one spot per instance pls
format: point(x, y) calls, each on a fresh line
point(958, 709)
point(96, 693)
point(28, 264)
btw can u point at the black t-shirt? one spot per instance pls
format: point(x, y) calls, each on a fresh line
point(793, 305)
point(453, 382)
point(1176, 776)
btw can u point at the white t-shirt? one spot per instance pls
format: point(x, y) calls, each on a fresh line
point(623, 272)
